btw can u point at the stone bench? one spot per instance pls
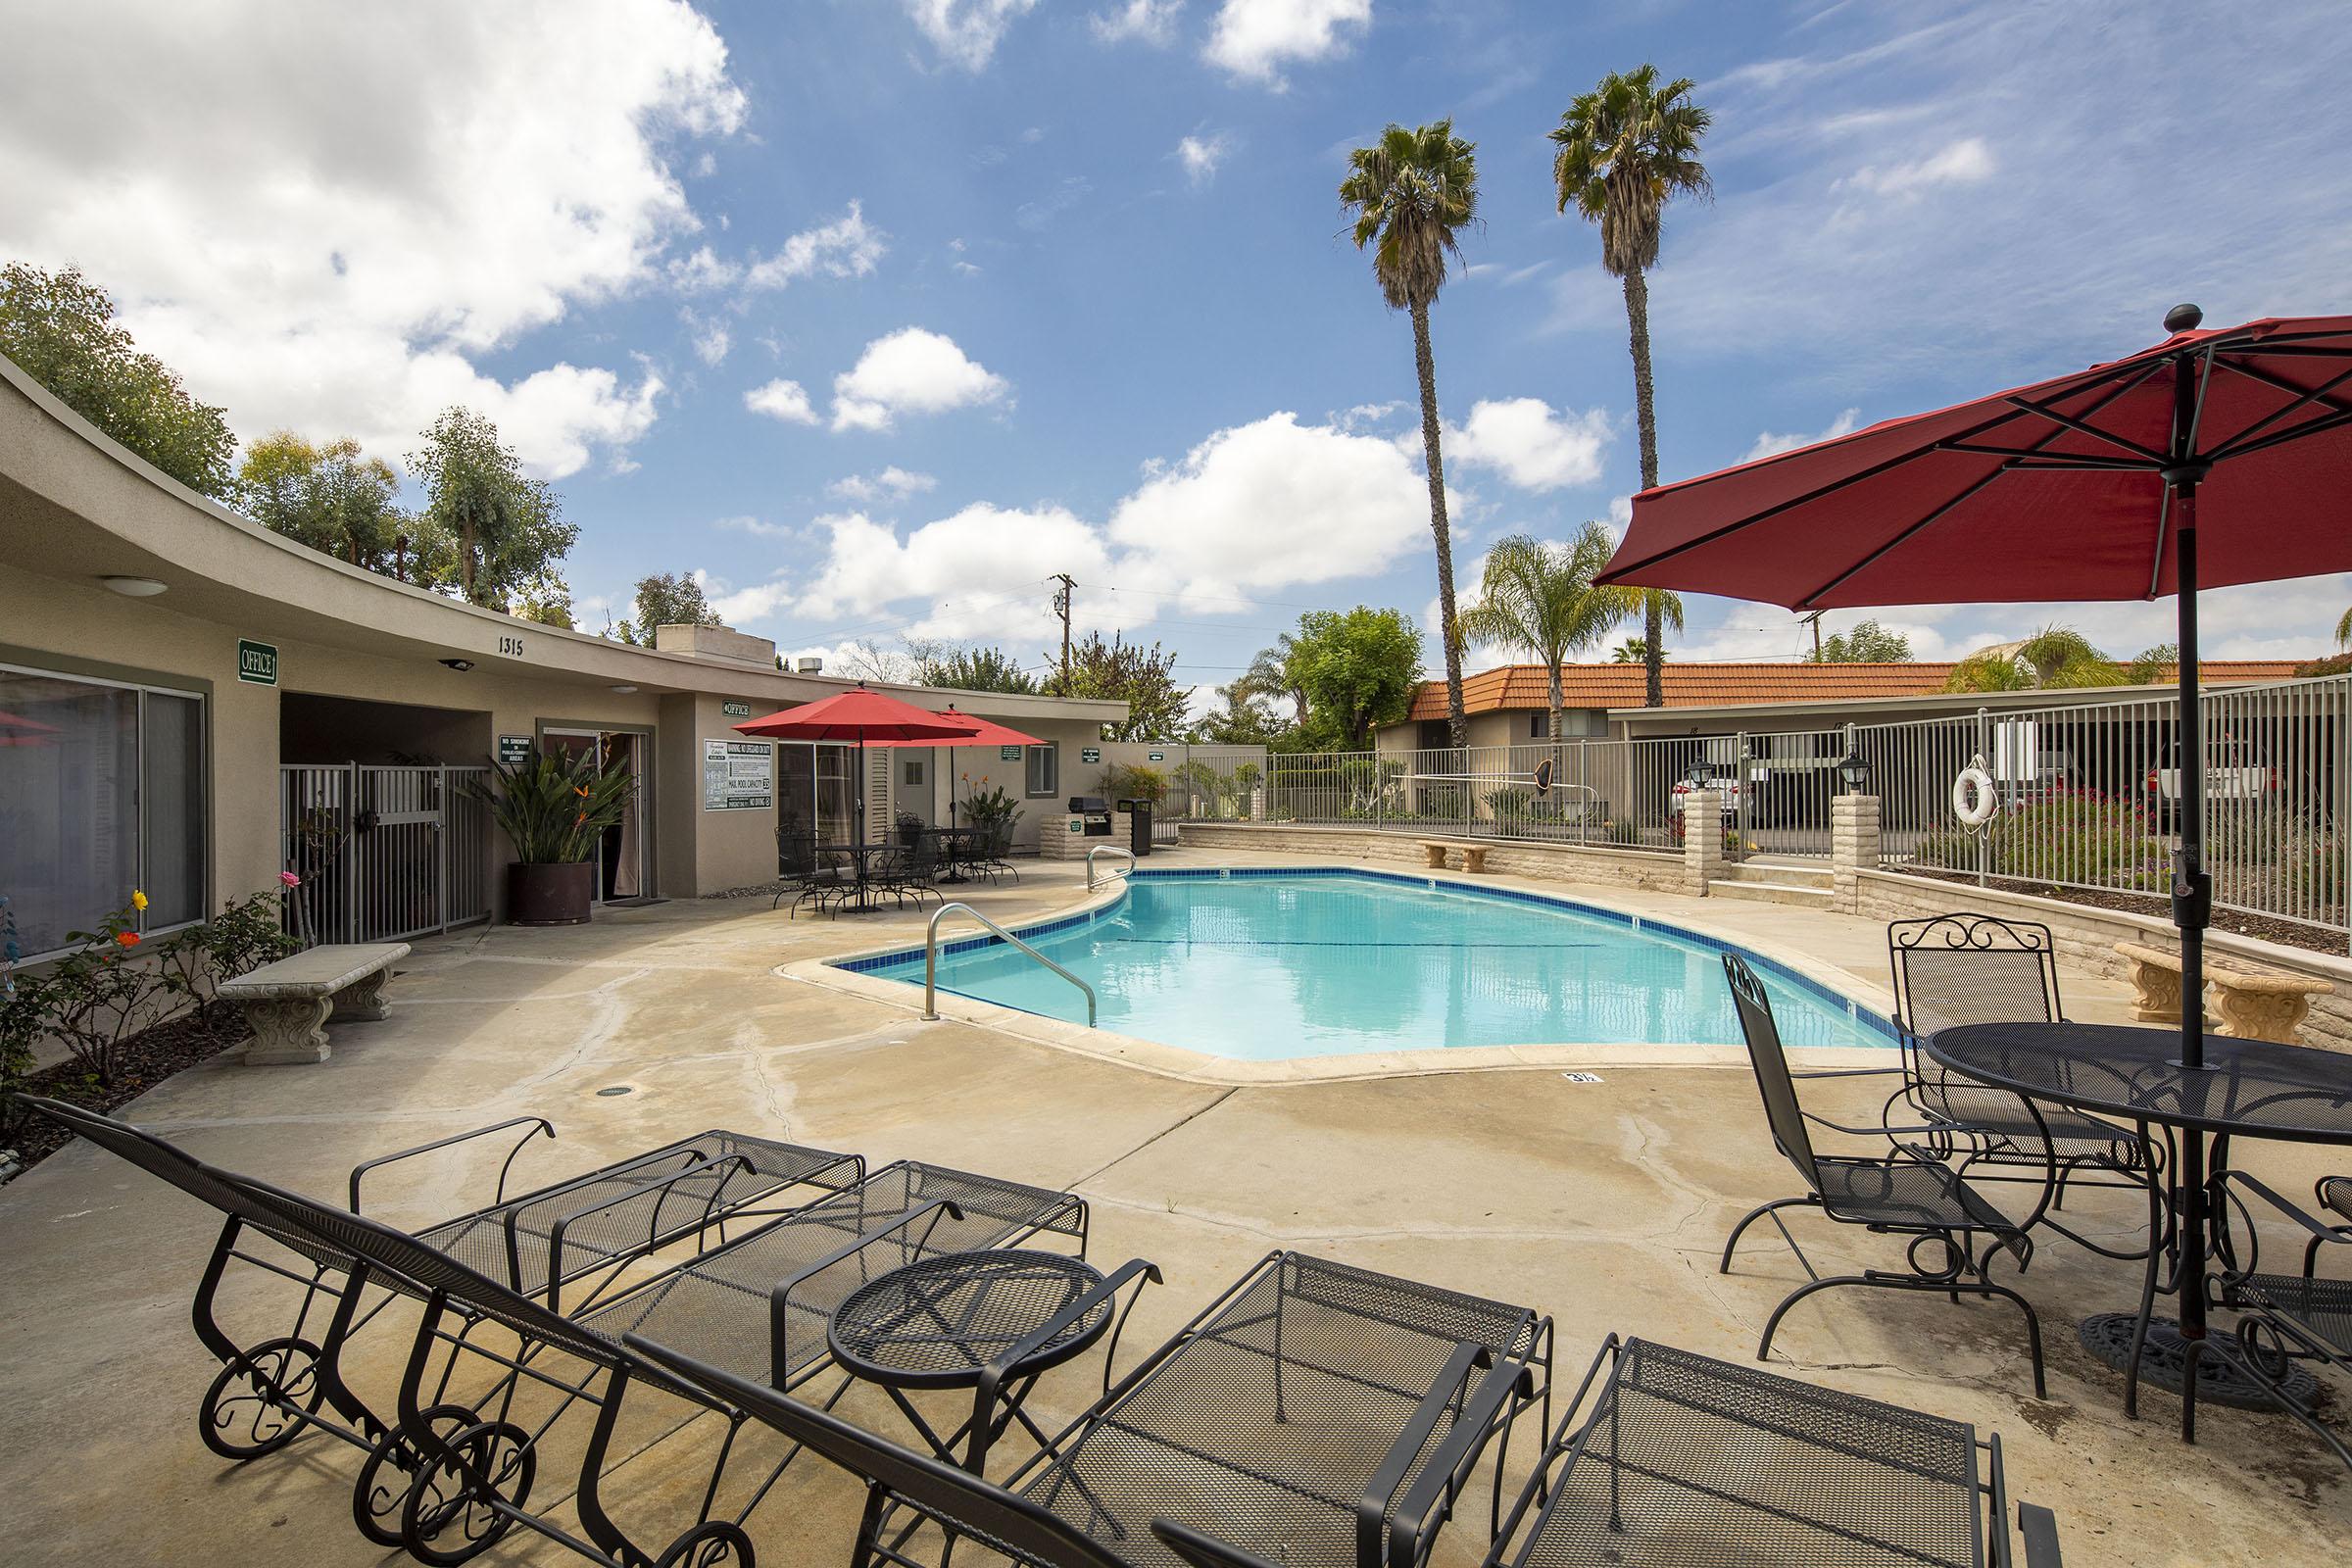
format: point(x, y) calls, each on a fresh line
point(1433, 850)
point(2251, 1007)
point(287, 1002)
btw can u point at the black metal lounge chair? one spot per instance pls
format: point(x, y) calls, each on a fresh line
point(1666, 1458)
point(2288, 1319)
point(1912, 1192)
point(269, 1391)
point(1963, 968)
point(758, 1303)
point(1315, 1417)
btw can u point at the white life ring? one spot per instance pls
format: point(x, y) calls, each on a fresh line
point(1974, 800)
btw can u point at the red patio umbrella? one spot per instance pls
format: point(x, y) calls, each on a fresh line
point(859, 715)
point(2215, 456)
point(2212, 458)
point(977, 732)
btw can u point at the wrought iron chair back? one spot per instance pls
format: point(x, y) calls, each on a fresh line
point(1781, 1111)
point(1962, 968)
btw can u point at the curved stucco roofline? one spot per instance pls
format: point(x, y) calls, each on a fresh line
point(76, 505)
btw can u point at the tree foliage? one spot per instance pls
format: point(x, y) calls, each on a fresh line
point(1243, 718)
point(1867, 643)
point(332, 498)
point(2056, 658)
point(971, 669)
point(1359, 668)
point(1122, 671)
point(502, 530)
point(667, 599)
point(59, 327)
point(1541, 599)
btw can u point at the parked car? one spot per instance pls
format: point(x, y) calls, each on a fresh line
point(2237, 778)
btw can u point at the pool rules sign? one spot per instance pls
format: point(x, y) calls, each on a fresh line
point(738, 776)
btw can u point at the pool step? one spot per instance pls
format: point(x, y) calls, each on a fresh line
point(1766, 882)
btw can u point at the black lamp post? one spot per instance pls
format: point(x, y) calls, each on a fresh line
point(1696, 775)
point(1853, 773)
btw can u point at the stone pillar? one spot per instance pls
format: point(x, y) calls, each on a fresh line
point(1702, 840)
point(1853, 847)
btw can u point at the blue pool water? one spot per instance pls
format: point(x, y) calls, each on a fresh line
point(1262, 967)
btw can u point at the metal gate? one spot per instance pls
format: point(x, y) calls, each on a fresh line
point(383, 852)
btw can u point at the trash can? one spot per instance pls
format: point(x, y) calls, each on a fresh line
point(1139, 826)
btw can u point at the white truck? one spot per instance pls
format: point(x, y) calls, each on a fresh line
point(2236, 778)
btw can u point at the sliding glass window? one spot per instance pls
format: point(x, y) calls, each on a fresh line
point(102, 790)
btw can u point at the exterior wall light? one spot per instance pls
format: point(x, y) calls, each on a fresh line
point(1853, 773)
point(135, 587)
point(461, 665)
point(625, 690)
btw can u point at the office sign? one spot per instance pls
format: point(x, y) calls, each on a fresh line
point(257, 663)
point(1090, 754)
point(515, 750)
point(1156, 756)
point(739, 776)
point(736, 710)
point(1009, 753)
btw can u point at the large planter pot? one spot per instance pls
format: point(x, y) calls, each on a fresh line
point(550, 895)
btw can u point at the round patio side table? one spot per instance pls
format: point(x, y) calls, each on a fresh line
point(948, 1322)
point(2246, 1089)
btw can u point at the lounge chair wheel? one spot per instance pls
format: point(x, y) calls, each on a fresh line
point(450, 1516)
point(712, 1543)
point(243, 1415)
point(381, 1494)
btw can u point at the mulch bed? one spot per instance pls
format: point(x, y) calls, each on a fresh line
point(2267, 928)
point(144, 1060)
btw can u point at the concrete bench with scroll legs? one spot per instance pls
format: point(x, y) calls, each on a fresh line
point(288, 1002)
point(1474, 855)
point(2249, 1006)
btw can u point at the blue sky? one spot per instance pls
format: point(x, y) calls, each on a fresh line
point(875, 313)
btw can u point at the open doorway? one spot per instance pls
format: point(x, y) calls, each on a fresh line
point(621, 852)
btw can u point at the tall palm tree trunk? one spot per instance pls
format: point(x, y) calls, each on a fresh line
point(1653, 632)
point(1457, 723)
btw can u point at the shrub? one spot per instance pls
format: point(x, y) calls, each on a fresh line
point(553, 805)
point(23, 1003)
point(1134, 781)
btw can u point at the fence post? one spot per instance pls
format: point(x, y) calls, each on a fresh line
point(1702, 840)
point(1853, 847)
point(1983, 837)
point(1742, 790)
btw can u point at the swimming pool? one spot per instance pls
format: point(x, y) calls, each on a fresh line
point(1265, 965)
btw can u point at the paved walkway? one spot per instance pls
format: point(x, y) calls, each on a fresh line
point(1603, 1204)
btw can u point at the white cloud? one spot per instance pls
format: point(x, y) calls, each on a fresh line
point(847, 247)
point(710, 339)
point(1528, 443)
point(781, 399)
point(1966, 161)
point(894, 482)
point(1036, 215)
point(1201, 155)
point(1253, 39)
point(1274, 503)
point(1769, 444)
point(754, 526)
point(967, 570)
point(966, 32)
point(1151, 21)
point(334, 251)
point(910, 371)
point(700, 271)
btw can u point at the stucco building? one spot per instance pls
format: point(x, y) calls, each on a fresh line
point(191, 704)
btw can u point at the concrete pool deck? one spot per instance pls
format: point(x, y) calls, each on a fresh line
point(1603, 1204)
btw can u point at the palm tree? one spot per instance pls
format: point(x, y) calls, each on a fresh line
point(1270, 675)
point(1632, 651)
point(1541, 597)
point(1412, 191)
point(1627, 148)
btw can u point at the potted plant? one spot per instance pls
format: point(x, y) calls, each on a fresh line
point(552, 806)
point(992, 815)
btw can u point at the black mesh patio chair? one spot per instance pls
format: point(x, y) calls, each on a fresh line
point(992, 851)
point(1964, 968)
point(906, 872)
point(2290, 1319)
point(807, 876)
point(1314, 1416)
point(1666, 1459)
point(466, 1461)
point(270, 1391)
point(1912, 1192)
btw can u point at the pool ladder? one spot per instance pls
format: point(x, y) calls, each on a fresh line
point(1106, 849)
point(931, 958)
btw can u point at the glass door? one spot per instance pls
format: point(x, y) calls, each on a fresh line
point(620, 848)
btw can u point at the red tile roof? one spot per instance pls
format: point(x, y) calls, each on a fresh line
point(1521, 686)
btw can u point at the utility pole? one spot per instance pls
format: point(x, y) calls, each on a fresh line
point(1062, 607)
point(1814, 620)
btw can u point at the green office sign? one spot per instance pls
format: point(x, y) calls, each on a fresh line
point(1009, 753)
point(257, 663)
point(1156, 756)
point(736, 710)
point(1090, 754)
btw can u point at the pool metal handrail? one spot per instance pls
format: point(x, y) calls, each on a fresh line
point(931, 961)
point(1114, 849)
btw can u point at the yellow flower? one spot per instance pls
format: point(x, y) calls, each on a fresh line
point(138, 899)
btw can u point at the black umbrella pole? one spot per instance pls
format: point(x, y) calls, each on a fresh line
point(2192, 889)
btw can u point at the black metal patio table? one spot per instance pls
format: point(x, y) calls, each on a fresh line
point(859, 855)
point(2245, 1089)
point(957, 1321)
point(955, 848)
